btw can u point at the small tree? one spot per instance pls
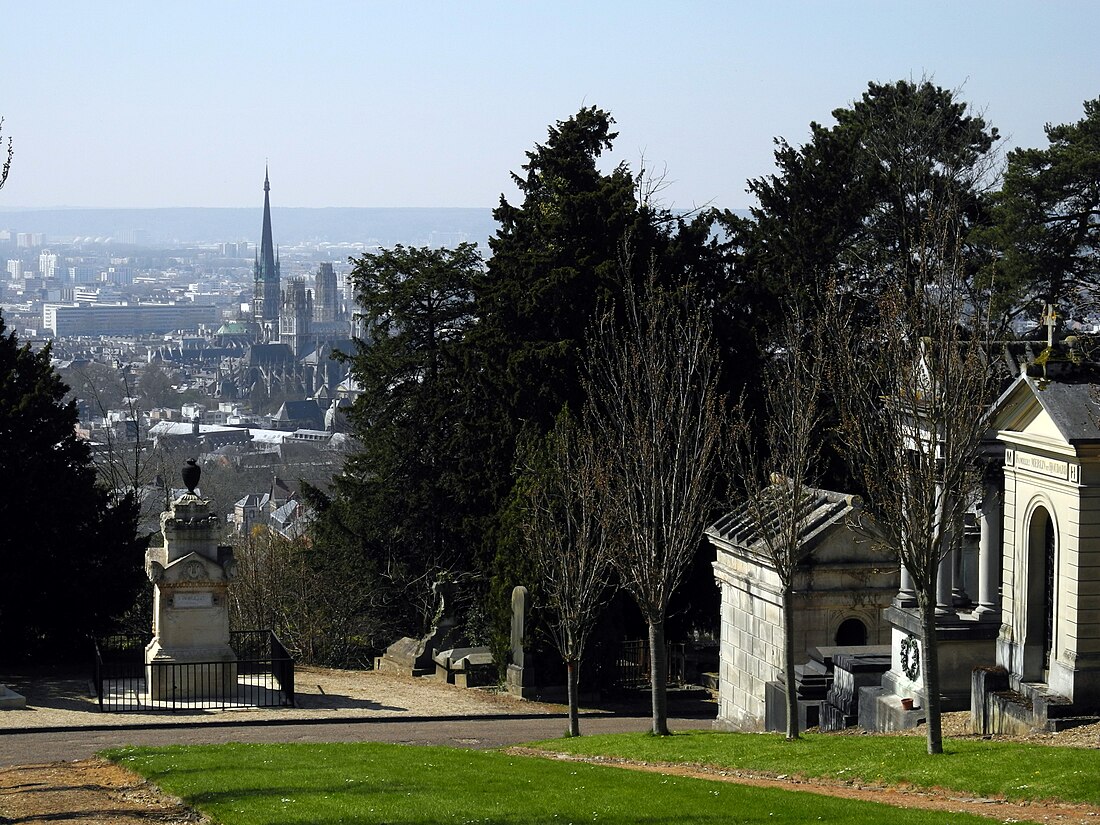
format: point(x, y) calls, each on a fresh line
point(654, 404)
point(565, 535)
point(773, 473)
point(6, 167)
point(915, 391)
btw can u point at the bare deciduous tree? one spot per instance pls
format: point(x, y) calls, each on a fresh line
point(915, 391)
point(6, 167)
point(774, 472)
point(315, 605)
point(566, 537)
point(654, 404)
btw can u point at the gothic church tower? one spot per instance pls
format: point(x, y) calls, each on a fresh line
point(265, 295)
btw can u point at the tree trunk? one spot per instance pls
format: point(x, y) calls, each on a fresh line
point(930, 666)
point(788, 663)
point(572, 680)
point(658, 676)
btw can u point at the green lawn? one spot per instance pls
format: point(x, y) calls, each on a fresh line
point(366, 782)
point(976, 767)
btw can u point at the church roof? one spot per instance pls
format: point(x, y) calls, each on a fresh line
point(306, 410)
point(232, 328)
point(263, 354)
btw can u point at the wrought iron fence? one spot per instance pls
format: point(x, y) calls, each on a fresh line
point(626, 665)
point(261, 675)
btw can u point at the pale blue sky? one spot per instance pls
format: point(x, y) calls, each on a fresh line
point(151, 103)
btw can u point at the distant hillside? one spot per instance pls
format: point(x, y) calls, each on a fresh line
point(291, 225)
point(413, 226)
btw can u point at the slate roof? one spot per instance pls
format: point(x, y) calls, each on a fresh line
point(819, 510)
point(269, 354)
point(1071, 401)
point(306, 411)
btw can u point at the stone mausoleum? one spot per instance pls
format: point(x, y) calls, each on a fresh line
point(1018, 601)
point(840, 589)
point(1046, 668)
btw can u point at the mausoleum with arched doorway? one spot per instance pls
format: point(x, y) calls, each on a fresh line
point(1048, 647)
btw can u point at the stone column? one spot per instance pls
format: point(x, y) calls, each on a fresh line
point(945, 571)
point(520, 677)
point(959, 596)
point(943, 588)
point(989, 553)
point(907, 596)
point(190, 657)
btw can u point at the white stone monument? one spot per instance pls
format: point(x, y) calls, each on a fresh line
point(189, 657)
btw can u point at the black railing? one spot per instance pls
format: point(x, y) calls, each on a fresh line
point(626, 665)
point(260, 675)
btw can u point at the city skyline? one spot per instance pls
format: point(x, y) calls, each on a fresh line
point(433, 104)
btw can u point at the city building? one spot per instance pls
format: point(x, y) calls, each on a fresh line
point(64, 320)
point(326, 297)
point(48, 264)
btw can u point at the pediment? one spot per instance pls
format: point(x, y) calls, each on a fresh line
point(194, 567)
point(1020, 411)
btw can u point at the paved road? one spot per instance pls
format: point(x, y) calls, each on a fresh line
point(33, 747)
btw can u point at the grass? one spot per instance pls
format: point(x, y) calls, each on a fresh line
point(976, 767)
point(376, 783)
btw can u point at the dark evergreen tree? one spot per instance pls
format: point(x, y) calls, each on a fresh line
point(560, 258)
point(554, 258)
point(851, 206)
point(1048, 219)
point(855, 200)
point(72, 558)
point(395, 508)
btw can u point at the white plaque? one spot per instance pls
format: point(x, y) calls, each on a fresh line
point(188, 600)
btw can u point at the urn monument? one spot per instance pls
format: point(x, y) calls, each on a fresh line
point(189, 657)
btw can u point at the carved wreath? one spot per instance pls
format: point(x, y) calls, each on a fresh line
point(910, 657)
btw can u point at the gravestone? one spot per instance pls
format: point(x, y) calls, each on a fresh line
point(189, 656)
point(10, 700)
point(416, 657)
point(520, 678)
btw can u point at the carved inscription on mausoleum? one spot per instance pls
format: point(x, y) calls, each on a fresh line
point(1043, 466)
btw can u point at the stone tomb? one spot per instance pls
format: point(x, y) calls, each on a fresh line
point(840, 590)
point(10, 700)
point(1048, 644)
point(189, 657)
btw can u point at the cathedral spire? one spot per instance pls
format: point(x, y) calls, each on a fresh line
point(265, 304)
point(267, 246)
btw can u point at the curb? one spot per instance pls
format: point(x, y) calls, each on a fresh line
point(327, 720)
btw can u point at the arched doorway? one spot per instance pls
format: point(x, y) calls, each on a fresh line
point(1039, 633)
point(851, 633)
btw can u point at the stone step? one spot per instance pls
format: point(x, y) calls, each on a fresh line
point(832, 718)
point(1066, 722)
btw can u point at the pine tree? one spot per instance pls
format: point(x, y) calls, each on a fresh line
point(72, 558)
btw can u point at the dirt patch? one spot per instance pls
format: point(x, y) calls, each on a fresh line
point(935, 799)
point(91, 790)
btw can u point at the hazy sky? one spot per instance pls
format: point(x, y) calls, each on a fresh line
point(417, 103)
